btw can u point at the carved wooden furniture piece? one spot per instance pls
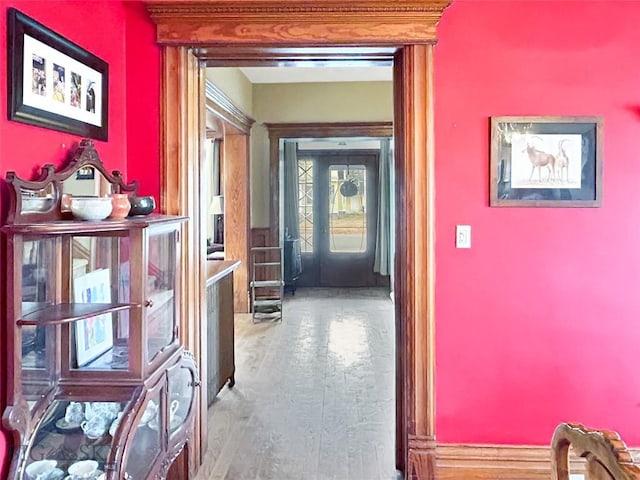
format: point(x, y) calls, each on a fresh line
point(95, 366)
point(606, 454)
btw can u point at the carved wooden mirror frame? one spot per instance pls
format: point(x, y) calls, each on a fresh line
point(48, 187)
point(262, 32)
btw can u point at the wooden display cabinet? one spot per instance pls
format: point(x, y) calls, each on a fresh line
point(95, 366)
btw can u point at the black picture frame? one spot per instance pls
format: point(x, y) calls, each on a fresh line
point(54, 83)
point(546, 161)
point(85, 173)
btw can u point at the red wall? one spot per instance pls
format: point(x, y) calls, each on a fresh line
point(121, 34)
point(540, 321)
point(143, 100)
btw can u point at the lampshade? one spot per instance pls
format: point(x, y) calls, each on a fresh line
point(217, 205)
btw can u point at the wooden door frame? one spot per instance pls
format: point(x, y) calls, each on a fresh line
point(192, 32)
point(235, 125)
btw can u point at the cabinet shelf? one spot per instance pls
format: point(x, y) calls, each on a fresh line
point(92, 227)
point(71, 312)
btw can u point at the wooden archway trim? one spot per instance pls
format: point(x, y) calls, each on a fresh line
point(218, 103)
point(332, 129)
point(279, 131)
point(311, 22)
point(331, 27)
point(236, 126)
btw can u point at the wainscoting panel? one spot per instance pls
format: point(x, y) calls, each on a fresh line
point(501, 462)
point(260, 237)
point(493, 462)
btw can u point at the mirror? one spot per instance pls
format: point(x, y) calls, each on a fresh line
point(87, 181)
point(37, 201)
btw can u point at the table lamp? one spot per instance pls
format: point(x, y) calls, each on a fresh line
point(216, 210)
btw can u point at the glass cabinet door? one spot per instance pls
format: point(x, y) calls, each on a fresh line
point(100, 275)
point(148, 441)
point(74, 433)
point(181, 393)
point(38, 341)
point(160, 303)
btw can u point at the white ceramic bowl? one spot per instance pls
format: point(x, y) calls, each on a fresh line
point(83, 469)
point(37, 204)
point(39, 467)
point(91, 208)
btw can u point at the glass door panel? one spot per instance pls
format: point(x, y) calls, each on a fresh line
point(75, 431)
point(148, 441)
point(181, 391)
point(305, 204)
point(347, 202)
point(39, 282)
point(160, 292)
point(346, 223)
point(100, 274)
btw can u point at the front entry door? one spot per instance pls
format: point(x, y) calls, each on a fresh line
point(345, 199)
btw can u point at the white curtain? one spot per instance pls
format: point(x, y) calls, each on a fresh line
point(290, 189)
point(382, 263)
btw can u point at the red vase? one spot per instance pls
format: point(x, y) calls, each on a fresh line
point(121, 205)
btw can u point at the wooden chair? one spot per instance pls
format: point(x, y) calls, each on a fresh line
point(606, 454)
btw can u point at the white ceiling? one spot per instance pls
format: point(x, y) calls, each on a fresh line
point(301, 74)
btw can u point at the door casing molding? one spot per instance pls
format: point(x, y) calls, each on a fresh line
point(235, 128)
point(402, 32)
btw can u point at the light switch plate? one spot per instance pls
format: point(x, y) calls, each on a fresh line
point(463, 236)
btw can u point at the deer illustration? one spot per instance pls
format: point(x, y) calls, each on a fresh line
point(562, 161)
point(540, 159)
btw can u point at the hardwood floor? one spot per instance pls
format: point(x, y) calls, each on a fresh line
point(314, 395)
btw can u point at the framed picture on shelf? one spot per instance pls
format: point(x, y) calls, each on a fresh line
point(94, 335)
point(53, 82)
point(546, 162)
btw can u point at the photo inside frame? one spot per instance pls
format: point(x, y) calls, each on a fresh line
point(93, 335)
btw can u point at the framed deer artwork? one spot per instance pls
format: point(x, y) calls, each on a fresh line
point(546, 162)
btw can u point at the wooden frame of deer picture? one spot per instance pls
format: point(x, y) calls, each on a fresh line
point(546, 162)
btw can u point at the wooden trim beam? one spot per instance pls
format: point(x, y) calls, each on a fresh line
point(295, 23)
point(237, 246)
point(493, 462)
point(279, 57)
point(180, 168)
point(414, 271)
point(335, 129)
point(500, 462)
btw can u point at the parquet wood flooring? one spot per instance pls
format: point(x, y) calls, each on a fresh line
point(314, 394)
